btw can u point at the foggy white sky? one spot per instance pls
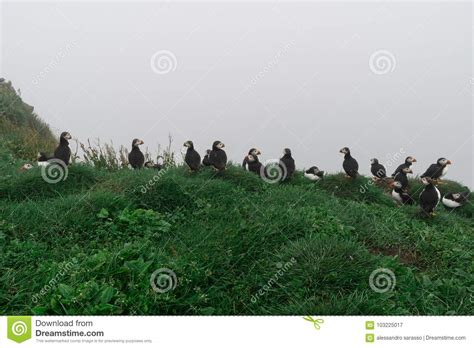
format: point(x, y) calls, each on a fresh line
point(269, 75)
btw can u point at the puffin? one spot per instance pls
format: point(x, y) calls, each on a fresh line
point(217, 156)
point(429, 197)
point(377, 170)
point(151, 165)
point(206, 162)
point(455, 200)
point(399, 194)
point(63, 152)
point(43, 159)
point(314, 174)
point(402, 177)
point(136, 157)
point(253, 164)
point(25, 167)
point(192, 158)
point(408, 162)
point(350, 165)
point(437, 170)
point(255, 153)
point(287, 164)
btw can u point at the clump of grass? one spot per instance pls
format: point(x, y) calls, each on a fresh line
point(104, 155)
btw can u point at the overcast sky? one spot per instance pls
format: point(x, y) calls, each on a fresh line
point(387, 80)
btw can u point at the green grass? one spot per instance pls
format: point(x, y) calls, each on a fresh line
point(22, 132)
point(226, 236)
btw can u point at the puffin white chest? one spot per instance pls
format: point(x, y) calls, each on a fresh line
point(450, 203)
point(444, 171)
point(396, 196)
point(312, 177)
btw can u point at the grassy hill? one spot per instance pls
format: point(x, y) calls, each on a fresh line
point(22, 132)
point(238, 245)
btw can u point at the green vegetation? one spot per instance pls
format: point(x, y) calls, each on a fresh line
point(226, 236)
point(21, 130)
point(238, 245)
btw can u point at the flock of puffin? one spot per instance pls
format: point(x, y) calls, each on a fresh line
point(398, 182)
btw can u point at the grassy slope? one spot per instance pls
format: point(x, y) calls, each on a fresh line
point(225, 236)
point(21, 130)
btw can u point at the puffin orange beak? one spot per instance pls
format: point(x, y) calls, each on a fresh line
point(259, 152)
point(414, 160)
point(449, 162)
point(142, 142)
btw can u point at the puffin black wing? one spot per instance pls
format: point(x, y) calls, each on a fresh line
point(378, 171)
point(402, 178)
point(136, 157)
point(350, 166)
point(434, 171)
point(63, 152)
point(399, 169)
point(287, 163)
point(429, 199)
point(192, 159)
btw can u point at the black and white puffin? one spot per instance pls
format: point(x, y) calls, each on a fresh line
point(399, 194)
point(217, 156)
point(151, 165)
point(63, 152)
point(136, 157)
point(350, 165)
point(455, 200)
point(314, 174)
point(377, 170)
point(402, 177)
point(437, 170)
point(26, 167)
point(252, 166)
point(42, 159)
point(206, 162)
point(192, 158)
point(429, 197)
point(287, 164)
point(408, 162)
